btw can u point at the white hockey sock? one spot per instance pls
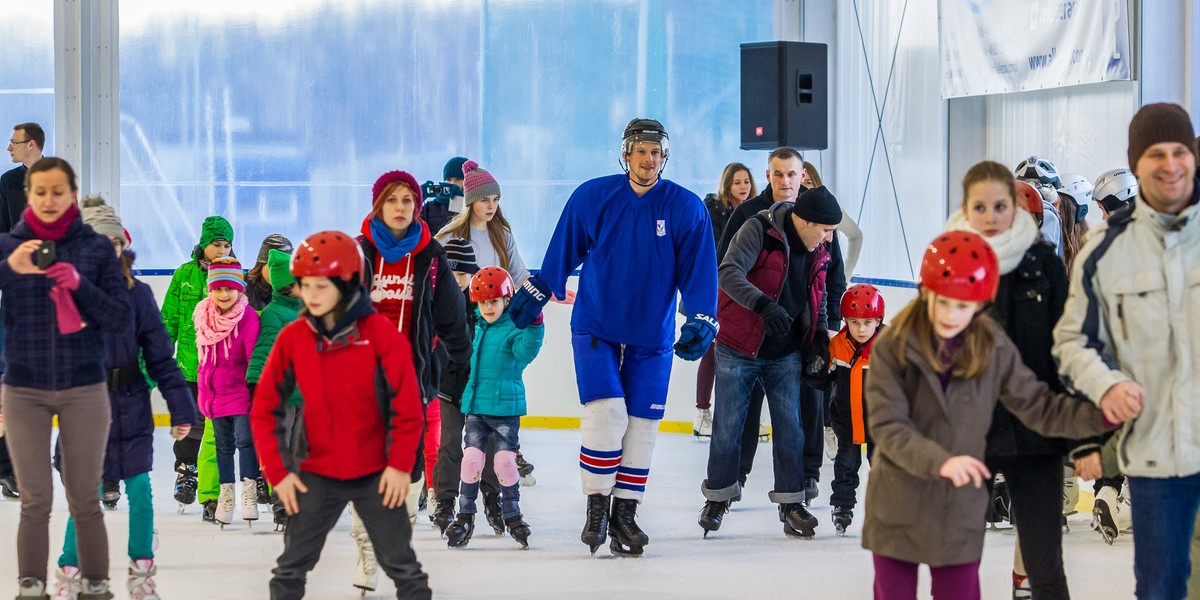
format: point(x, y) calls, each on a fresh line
point(601, 428)
point(637, 448)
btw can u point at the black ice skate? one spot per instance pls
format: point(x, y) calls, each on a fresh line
point(595, 529)
point(711, 515)
point(459, 532)
point(8, 488)
point(263, 493)
point(491, 510)
point(210, 511)
point(281, 519)
point(811, 491)
point(628, 539)
point(797, 521)
point(443, 514)
point(185, 485)
point(110, 494)
point(525, 468)
point(842, 517)
point(518, 529)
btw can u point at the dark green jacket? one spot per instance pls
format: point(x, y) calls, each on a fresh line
point(275, 316)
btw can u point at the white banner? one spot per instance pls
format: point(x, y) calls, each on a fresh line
point(996, 47)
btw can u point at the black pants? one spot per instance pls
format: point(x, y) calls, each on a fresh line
point(187, 449)
point(812, 422)
point(450, 453)
point(1035, 484)
point(6, 469)
point(846, 466)
point(320, 509)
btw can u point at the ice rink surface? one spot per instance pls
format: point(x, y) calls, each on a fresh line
point(749, 557)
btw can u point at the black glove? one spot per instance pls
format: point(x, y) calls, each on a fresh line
point(817, 359)
point(776, 321)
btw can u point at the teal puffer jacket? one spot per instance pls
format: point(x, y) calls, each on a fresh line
point(500, 354)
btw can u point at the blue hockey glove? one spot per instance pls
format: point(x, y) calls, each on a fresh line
point(527, 304)
point(695, 336)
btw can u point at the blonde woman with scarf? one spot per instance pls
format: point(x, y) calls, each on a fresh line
point(1029, 301)
point(226, 330)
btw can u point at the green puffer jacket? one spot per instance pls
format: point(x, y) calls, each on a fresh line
point(275, 315)
point(501, 353)
point(189, 285)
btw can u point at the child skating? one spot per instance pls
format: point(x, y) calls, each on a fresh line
point(493, 402)
point(356, 435)
point(226, 329)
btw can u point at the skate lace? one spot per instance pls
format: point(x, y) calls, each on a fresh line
point(596, 517)
point(706, 421)
point(67, 589)
point(142, 588)
point(227, 503)
point(625, 517)
point(715, 509)
point(249, 495)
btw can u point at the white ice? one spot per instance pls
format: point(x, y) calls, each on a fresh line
point(749, 557)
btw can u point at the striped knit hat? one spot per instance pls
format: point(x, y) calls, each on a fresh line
point(461, 256)
point(226, 272)
point(478, 183)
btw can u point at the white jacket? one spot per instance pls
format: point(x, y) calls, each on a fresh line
point(1133, 312)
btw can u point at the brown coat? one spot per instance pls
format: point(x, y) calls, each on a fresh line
point(913, 514)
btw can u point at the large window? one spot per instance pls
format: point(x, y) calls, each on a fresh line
point(27, 74)
point(279, 116)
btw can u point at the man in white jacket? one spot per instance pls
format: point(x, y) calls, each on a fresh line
point(1129, 339)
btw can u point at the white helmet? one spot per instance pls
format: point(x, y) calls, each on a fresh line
point(1079, 189)
point(1039, 170)
point(1114, 188)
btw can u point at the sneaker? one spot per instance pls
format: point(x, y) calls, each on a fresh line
point(831, 443)
point(702, 427)
point(141, 579)
point(67, 583)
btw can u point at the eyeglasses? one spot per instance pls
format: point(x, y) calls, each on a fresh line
point(15, 142)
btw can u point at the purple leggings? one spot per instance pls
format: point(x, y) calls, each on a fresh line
point(897, 580)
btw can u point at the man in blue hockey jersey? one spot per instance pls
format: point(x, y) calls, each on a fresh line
point(640, 240)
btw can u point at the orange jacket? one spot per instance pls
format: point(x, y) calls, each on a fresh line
point(848, 365)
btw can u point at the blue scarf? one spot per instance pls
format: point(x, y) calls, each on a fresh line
point(391, 248)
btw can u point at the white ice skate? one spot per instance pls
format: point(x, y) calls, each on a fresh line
point(224, 512)
point(702, 428)
point(764, 433)
point(249, 500)
point(413, 500)
point(67, 582)
point(831, 443)
point(141, 579)
point(366, 571)
point(1105, 511)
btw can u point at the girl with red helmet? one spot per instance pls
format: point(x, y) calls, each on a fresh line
point(937, 374)
point(356, 436)
point(849, 358)
point(493, 402)
point(1031, 292)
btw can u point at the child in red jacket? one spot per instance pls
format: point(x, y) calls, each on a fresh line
point(355, 437)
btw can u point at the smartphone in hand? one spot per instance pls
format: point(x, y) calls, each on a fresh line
point(45, 255)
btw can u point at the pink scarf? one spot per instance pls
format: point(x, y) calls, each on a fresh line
point(213, 326)
point(50, 231)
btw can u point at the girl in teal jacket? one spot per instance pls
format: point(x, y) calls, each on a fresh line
point(493, 403)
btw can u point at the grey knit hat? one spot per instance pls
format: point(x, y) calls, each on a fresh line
point(478, 183)
point(274, 241)
point(102, 218)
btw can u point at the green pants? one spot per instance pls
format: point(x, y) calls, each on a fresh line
point(141, 523)
point(208, 480)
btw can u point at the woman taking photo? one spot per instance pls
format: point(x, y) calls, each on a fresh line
point(62, 290)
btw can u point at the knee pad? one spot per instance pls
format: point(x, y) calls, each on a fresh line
point(506, 468)
point(472, 465)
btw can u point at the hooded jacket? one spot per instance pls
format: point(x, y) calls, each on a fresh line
point(1133, 313)
point(501, 353)
point(221, 377)
point(189, 285)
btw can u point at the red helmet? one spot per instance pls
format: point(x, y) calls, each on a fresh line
point(961, 265)
point(491, 283)
point(328, 254)
point(1029, 198)
point(862, 301)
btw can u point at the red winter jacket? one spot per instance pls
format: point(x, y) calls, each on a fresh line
point(362, 406)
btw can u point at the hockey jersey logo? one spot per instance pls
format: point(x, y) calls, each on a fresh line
point(661, 228)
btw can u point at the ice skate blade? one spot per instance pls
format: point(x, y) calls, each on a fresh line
point(110, 505)
point(620, 551)
point(804, 534)
point(528, 481)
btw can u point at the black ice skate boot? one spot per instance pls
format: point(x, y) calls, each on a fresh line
point(595, 529)
point(443, 514)
point(811, 491)
point(9, 489)
point(210, 511)
point(842, 517)
point(711, 515)
point(185, 485)
point(459, 532)
point(518, 529)
point(262, 492)
point(281, 520)
point(628, 539)
point(491, 510)
point(797, 520)
point(110, 494)
point(525, 469)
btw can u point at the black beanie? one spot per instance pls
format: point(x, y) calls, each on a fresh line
point(1155, 123)
point(818, 206)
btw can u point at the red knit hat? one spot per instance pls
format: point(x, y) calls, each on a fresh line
point(401, 177)
point(478, 183)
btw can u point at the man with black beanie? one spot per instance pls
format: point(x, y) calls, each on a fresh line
point(771, 307)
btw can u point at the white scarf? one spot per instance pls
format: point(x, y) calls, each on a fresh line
point(1011, 245)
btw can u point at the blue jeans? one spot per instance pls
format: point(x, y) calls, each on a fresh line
point(503, 431)
point(231, 433)
point(736, 375)
point(1164, 513)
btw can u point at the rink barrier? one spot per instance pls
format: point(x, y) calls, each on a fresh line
point(164, 420)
